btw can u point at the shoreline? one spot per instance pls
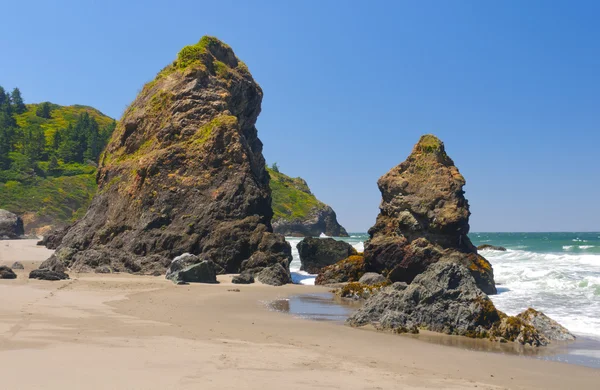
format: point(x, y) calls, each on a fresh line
point(128, 331)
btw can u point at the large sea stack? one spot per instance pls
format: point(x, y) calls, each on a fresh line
point(424, 218)
point(183, 173)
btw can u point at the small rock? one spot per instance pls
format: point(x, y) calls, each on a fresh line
point(275, 275)
point(243, 278)
point(491, 248)
point(46, 274)
point(372, 278)
point(17, 265)
point(7, 273)
point(189, 268)
point(546, 326)
point(103, 270)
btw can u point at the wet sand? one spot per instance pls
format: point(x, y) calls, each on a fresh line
point(140, 332)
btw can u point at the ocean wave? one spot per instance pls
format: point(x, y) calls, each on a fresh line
point(586, 246)
point(360, 247)
point(565, 286)
point(567, 247)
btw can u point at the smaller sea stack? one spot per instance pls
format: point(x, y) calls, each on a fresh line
point(424, 218)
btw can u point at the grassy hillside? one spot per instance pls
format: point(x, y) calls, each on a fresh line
point(292, 198)
point(48, 188)
point(62, 116)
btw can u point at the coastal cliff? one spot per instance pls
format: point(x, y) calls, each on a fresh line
point(297, 212)
point(424, 218)
point(182, 173)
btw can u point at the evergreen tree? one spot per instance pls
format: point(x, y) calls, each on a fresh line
point(44, 110)
point(17, 101)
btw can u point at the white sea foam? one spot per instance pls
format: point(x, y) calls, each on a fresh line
point(567, 247)
point(586, 246)
point(360, 247)
point(565, 286)
point(323, 235)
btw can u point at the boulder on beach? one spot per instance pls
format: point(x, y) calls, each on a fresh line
point(424, 217)
point(443, 299)
point(189, 268)
point(182, 173)
point(317, 253)
point(17, 265)
point(488, 247)
point(47, 274)
point(446, 299)
point(546, 326)
point(7, 273)
point(244, 278)
point(350, 269)
point(11, 226)
point(275, 275)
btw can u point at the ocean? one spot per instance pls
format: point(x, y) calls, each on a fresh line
point(557, 273)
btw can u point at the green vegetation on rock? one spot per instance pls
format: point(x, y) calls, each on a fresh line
point(292, 198)
point(48, 156)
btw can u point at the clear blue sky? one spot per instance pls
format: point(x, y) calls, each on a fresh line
point(511, 87)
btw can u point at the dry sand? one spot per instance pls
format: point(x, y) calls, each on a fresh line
point(138, 332)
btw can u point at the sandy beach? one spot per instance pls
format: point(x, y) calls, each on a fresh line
point(139, 332)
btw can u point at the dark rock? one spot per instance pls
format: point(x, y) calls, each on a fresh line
point(372, 278)
point(243, 278)
point(53, 239)
point(546, 326)
point(347, 270)
point(55, 262)
point(17, 265)
point(7, 273)
point(317, 253)
point(423, 218)
point(182, 173)
point(46, 274)
point(188, 268)
point(446, 299)
point(491, 248)
point(443, 299)
point(275, 275)
point(103, 270)
point(11, 225)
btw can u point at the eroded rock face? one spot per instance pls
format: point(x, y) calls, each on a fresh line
point(183, 173)
point(11, 226)
point(317, 253)
point(424, 217)
point(319, 221)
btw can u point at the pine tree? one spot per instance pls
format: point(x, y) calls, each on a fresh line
point(17, 101)
point(44, 110)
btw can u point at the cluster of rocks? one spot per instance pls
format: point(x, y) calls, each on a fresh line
point(420, 270)
point(11, 226)
point(446, 299)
